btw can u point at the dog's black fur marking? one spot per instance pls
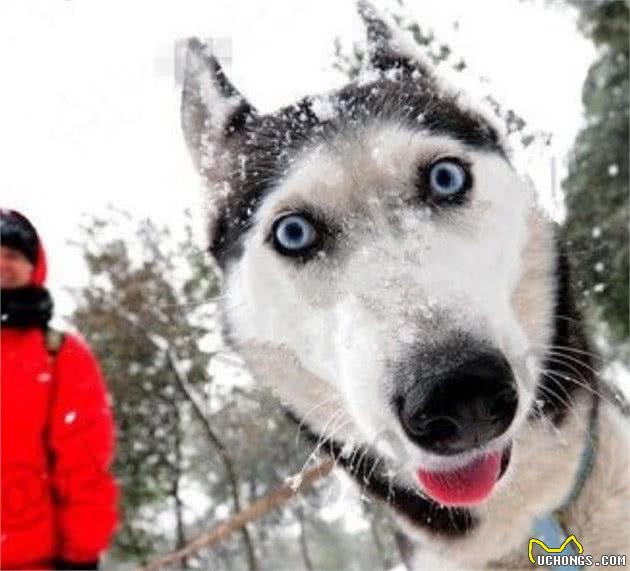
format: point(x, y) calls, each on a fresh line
point(363, 465)
point(572, 371)
point(265, 146)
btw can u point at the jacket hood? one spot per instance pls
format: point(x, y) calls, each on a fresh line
point(40, 270)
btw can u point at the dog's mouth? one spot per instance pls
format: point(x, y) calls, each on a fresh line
point(469, 484)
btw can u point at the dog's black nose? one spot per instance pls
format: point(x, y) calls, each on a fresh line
point(462, 408)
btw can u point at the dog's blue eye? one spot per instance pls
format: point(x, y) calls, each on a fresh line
point(293, 234)
point(447, 178)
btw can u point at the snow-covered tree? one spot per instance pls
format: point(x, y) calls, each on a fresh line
point(597, 183)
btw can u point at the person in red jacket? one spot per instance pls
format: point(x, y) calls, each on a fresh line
point(59, 499)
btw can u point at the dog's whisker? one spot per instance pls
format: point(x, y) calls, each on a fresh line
point(576, 361)
point(580, 380)
point(569, 402)
point(553, 376)
point(362, 458)
point(572, 350)
point(376, 461)
point(323, 437)
point(560, 360)
point(587, 387)
point(339, 424)
point(311, 411)
point(568, 318)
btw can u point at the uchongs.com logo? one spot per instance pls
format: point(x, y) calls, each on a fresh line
point(570, 554)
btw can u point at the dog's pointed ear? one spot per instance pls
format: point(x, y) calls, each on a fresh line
point(213, 112)
point(388, 49)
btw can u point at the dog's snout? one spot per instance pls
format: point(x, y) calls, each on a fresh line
point(463, 407)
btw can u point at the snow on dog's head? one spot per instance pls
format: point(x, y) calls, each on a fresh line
point(386, 270)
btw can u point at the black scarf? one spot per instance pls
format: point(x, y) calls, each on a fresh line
point(25, 307)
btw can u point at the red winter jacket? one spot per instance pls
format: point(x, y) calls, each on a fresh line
point(58, 496)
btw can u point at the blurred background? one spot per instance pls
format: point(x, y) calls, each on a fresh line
point(92, 153)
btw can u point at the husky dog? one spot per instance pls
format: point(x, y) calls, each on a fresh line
point(390, 275)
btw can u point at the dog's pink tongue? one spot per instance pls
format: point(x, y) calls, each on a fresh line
point(463, 486)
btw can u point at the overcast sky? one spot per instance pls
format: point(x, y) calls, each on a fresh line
point(89, 105)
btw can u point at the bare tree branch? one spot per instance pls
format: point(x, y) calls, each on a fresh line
point(183, 384)
point(228, 465)
point(251, 513)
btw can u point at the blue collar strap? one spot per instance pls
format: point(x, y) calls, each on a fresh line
point(548, 528)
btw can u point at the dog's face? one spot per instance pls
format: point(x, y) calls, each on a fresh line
point(386, 270)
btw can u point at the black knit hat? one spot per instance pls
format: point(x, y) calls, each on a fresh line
point(17, 233)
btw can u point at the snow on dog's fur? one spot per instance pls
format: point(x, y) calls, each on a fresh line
point(400, 288)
